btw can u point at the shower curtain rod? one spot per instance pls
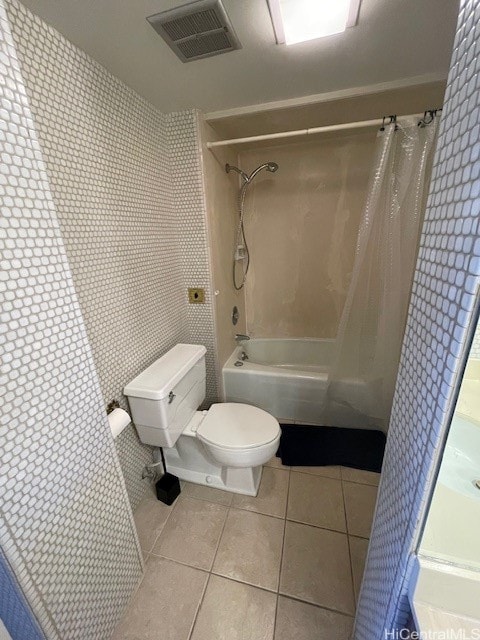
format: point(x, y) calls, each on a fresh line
point(307, 132)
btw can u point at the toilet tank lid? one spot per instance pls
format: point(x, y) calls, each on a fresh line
point(156, 382)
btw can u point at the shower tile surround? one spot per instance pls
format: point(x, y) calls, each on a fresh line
point(446, 284)
point(66, 529)
point(127, 184)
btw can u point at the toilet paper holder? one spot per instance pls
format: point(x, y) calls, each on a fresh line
point(113, 404)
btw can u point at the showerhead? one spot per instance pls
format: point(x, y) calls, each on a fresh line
point(269, 166)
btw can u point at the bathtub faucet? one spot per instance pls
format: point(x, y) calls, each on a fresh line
point(239, 337)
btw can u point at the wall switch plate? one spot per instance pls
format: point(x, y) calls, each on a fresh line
point(196, 295)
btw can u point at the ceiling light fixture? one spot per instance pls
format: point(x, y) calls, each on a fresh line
point(300, 20)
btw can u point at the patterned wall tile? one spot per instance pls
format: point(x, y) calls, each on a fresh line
point(16, 617)
point(190, 206)
point(442, 305)
point(66, 528)
point(108, 160)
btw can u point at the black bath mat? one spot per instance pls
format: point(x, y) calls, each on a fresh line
point(307, 446)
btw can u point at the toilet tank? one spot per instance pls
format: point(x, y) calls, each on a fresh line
point(165, 396)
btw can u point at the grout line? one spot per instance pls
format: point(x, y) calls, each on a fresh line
point(349, 551)
point(317, 606)
point(281, 554)
point(288, 495)
point(355, 535)
point(209, 574)
point(220, 538)
point(277, 598)
point(171, 510)
point(339, 479)
point(132, 596)
point(316, 475)
point(228, 493)
point(238, 508)
point(220, 504)
point(259, 513)
point(283, 467)
point(184, 564)
point(318, 526)
point(199, 606)
point(361, 484)
point(245, 582)
point(342, 468)
point(144, 571)
point(364, 566)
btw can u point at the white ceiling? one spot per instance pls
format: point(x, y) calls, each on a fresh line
point(395, 39)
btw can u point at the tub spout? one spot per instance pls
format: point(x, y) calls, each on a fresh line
point(239, 337)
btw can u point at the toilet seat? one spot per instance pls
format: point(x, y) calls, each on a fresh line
point(236, 427)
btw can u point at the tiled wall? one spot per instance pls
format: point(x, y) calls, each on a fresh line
point(443, 301)
point(191, 217)
point(16, 617)
point(66, 528)
point(112, 160)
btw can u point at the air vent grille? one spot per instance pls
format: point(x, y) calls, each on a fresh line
point(205, 45)
point(194, 24)
point(196, 30)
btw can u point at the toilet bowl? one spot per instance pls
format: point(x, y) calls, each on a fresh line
point(224, 447)
point(239, 435)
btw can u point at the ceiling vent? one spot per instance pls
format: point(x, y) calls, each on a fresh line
point(196, 30)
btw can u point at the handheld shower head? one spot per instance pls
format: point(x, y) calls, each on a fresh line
point(241, 246)
point(269, 166)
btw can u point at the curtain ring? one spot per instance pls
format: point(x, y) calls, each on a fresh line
point(391, 120)
point(428, 117)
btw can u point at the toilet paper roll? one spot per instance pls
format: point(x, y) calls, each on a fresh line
point(118, 419)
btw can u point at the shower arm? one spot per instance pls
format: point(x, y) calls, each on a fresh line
point(230, 167)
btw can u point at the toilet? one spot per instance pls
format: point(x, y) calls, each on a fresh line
point(224, 447)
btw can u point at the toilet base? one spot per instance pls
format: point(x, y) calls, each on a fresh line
point(189, 461)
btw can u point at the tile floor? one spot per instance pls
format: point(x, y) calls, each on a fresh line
point(286, 564)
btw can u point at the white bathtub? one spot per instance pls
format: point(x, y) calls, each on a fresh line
point(288, 378)
point(453, 523)
point(451, 533)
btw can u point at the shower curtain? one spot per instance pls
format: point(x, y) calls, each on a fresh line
point(367, 348)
